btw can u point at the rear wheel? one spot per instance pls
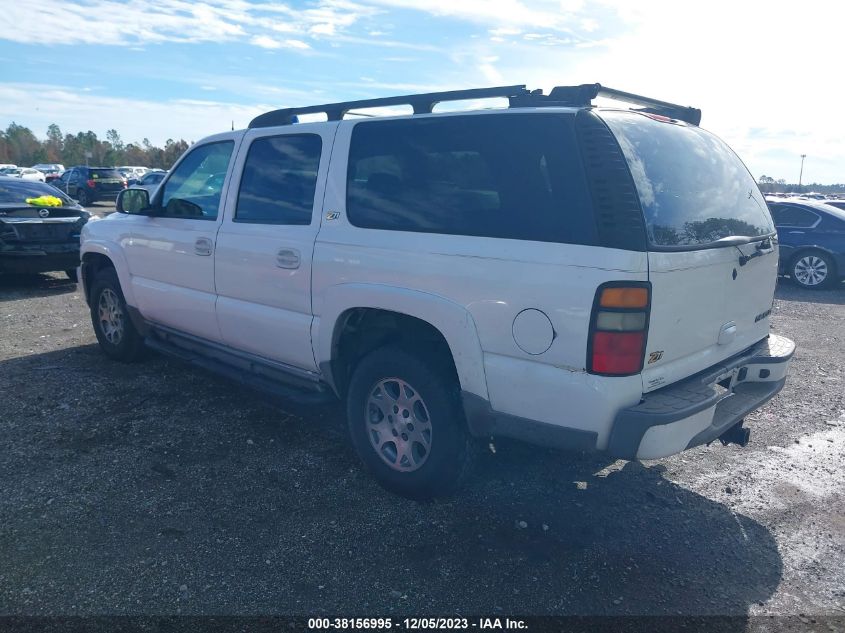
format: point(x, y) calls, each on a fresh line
point(71, 274)
point(83, 197)
point(813, 270)
point(407, 423)
point(115, 332)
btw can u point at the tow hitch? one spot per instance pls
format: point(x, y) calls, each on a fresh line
point(737, 434)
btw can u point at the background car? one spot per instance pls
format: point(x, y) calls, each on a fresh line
point(133, 172)
point(40, 235)
point(25, 173)
point(28, 173)
point(812, 241)
point(91, 184)
point(839, 204)
point(51, 171)
point(150, 181)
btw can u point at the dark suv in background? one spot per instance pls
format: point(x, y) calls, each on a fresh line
point(91, 184)
point(812, 241)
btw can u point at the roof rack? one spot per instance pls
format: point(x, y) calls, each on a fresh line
point(421, 103)
point(518, 97)
point(584, 94)
point(654, 106)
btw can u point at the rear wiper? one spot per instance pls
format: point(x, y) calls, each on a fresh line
point(763, 248)
point(733, 240)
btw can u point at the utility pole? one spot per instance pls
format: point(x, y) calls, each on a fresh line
point(801, 174)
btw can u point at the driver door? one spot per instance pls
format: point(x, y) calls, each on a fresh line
point(171, 251)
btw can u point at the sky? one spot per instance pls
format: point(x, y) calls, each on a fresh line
point(767, 75)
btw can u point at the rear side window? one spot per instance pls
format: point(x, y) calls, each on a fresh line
point(693, 189)
point(790, 215)
point(505, 176)
point(279, 180)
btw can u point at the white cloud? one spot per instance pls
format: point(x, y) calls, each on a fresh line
point(39, 105)
point(764, 75)
point(114, 23)
point(265, 41)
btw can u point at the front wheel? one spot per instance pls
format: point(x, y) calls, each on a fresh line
point(115, 331)
point(813, 270)
point(407, 423)
point(71, 274)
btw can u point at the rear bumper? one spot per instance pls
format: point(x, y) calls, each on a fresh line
point(97, 195)
point(699, 409)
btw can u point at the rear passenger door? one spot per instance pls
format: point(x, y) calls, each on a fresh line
point(793, 224)
point(266, 243)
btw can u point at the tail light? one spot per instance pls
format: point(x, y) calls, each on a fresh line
point(618, 328)
point(91, 183)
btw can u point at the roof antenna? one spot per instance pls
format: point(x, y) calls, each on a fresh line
point(233, 125)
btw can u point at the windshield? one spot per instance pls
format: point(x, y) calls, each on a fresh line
point(693, 189)
point(16, 192)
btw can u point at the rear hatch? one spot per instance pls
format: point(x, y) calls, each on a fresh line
point(712, 245)
point(107, 180)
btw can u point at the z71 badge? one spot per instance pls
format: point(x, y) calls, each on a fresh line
point(654, 357)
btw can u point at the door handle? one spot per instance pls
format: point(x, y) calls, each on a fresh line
point(203, 246)
point(796, 232)
point(287, 258)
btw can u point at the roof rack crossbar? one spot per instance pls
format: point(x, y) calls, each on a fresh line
point(653, 106)
point(421, 104)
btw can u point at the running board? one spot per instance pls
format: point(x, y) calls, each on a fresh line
point(266, 376)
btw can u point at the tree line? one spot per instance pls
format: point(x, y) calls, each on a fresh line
point(20, 146)
point(770, 185)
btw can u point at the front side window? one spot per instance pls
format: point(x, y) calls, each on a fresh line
point(693, 189)
point(279, 180)
point(196, 184)
point(505, 176)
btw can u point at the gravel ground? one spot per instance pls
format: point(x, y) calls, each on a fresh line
point(157, 488)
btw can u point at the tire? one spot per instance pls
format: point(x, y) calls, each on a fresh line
point(391, 390)
point(813, 270)
point(115, 331)
point(82, 197)
point(71, 274)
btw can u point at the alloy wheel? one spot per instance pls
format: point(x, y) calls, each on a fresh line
point(110, 316)
point(810, 270)
point(398, 424)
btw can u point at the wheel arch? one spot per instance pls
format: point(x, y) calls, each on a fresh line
point(97, 255)
point(449, 320)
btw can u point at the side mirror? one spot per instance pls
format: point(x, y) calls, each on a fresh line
point(134, 201)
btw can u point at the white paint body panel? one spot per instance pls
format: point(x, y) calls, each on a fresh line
point(694, 295)
point(172, 285)
point(488, 281)
point(262, 308)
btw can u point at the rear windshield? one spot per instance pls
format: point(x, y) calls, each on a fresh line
point(694, 190)
point(105, 173)
point(15, 192)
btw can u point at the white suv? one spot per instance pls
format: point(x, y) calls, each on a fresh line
point(584, 278)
